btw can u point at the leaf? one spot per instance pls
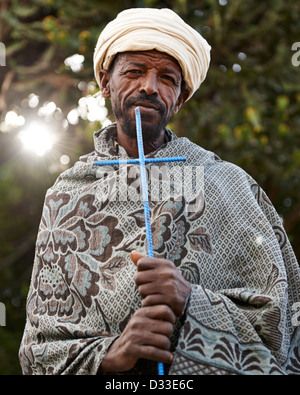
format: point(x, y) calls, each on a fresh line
point(108, 272)
point(200, 241)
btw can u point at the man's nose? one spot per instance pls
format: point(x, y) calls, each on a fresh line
point(149, 84)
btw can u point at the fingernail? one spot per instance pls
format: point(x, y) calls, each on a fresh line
point(132, 256)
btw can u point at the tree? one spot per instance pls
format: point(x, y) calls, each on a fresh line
point(247, 112)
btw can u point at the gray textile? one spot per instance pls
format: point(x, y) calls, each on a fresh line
point(233, 249)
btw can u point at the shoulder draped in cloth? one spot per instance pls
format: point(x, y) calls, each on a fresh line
point(233, 250)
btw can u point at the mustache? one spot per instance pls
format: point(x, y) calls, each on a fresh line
point(144, 99)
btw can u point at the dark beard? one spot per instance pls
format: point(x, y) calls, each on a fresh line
point(151, 130)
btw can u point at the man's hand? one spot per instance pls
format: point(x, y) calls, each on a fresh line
point(160, 282)
point(147, 335)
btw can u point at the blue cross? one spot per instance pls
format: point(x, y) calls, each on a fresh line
point(142, 161)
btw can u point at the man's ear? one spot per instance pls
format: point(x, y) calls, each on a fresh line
point(104, 83)
point(181, 99)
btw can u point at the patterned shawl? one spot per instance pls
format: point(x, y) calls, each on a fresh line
point(233, 250)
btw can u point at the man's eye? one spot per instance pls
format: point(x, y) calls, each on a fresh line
point(134, 71)
point(168, 78)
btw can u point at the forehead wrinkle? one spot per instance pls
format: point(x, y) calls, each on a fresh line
point(156, 55)
point(163, 69)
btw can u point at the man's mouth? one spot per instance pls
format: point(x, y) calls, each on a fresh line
point(147, 104)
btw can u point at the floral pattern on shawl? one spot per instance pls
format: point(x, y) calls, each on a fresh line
point(171, 231)
point(75, 238)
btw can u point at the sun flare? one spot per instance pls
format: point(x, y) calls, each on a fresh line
point(37, 138)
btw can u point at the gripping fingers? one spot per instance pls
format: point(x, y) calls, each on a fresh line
point(156, 354)
point(159, 312)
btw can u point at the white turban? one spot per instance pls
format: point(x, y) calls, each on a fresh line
point(146, 29)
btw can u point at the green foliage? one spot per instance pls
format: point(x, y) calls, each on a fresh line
point(247, 111)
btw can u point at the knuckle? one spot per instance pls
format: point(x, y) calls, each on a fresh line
point(164, 343)
point(167, 343)
point(137, 279)
point(169, 329)
point(166, 310)
point(137, 321)
point(170, 264)
point(142, 291)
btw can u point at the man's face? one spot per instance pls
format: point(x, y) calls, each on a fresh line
point(150, 80)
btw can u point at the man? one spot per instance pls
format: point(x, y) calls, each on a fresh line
point(219, 296)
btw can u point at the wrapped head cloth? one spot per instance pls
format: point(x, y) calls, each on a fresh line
point(146, 29)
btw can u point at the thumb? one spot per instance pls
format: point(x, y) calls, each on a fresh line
point(135, 256)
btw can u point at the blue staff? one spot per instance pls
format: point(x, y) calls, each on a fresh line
point(142, 161)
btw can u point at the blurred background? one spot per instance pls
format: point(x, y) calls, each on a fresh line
point(247, 112)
